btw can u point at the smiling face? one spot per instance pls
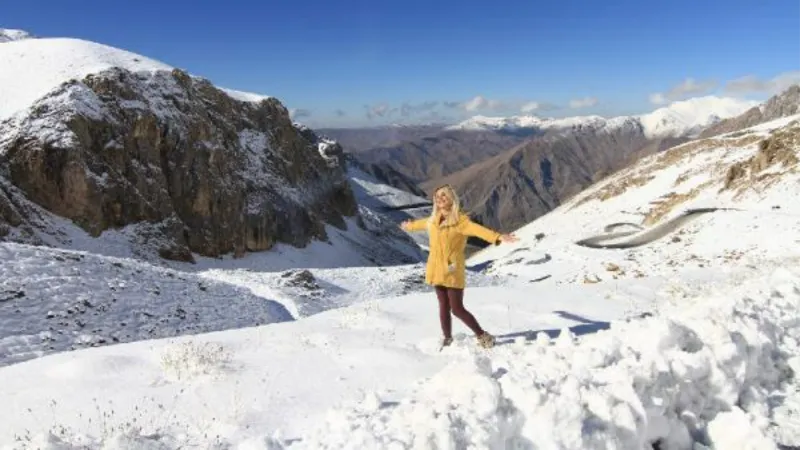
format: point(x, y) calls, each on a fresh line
point(443, 199)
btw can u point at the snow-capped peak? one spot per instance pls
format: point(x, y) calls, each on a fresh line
point(478, 123)
point(689, 116)
point(682, 118)
point(484, 123)
point(34, 67)
point(8, 35)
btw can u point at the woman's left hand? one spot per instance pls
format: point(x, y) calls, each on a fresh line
point(508, 238)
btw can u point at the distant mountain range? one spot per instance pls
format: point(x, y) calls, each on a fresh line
point(510, 170)
point(680, 119)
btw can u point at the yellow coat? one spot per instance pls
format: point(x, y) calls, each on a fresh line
point(446, 261)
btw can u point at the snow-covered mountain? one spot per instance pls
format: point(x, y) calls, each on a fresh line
point(689, 117)
point(34, 67)
point(8, 35)
point(152, 161)
point(687, 338)
point(679, 119)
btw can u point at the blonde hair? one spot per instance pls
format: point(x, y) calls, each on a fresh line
point(455, 209)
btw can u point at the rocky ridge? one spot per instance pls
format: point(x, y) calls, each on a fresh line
point(210, 174)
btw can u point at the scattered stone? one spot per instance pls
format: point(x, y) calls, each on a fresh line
point(301, 278)
point(11, 295)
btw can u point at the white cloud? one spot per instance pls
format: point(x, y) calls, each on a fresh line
point(687, 88)
point(586, 102)
point(480, 103)
point(297, 113)
point(530, 107)
point(410, 109)
point(753, 84)
point(658, 98)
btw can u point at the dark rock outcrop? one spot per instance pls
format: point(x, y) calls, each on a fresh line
point(214, 174)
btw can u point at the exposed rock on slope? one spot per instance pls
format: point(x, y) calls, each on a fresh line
point(438, 155)
point(526, 182)
point(785, 104)
point(217, 175)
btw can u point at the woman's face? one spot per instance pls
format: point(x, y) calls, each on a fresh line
point(442, 200)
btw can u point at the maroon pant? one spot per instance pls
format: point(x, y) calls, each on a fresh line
point(452, 300)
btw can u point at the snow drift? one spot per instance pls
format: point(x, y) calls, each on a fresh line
point(717, 371)
point(669, 381)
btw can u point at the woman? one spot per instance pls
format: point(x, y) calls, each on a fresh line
point(448, 229)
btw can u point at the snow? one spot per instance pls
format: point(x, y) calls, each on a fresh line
point(245, 96)
point(681, 118)
point(497, 123)
point(8, 35)
point(692, 115)
point(690, 343)
point(34, 67)
point(375, 195)
point(54, 300)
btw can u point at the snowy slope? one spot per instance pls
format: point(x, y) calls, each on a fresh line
point(245, 96)
point(52, 301)
point(681, 118)
point(677, 342)
point(658, 188)
point(370, 374)
point(34, 67)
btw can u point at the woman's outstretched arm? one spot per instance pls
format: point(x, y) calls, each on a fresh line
point(414, 225)
point(470, 228)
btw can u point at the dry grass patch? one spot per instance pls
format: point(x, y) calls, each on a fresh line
point(779, 149)
point(682, 151)
point(615, 188)
point(669, 201)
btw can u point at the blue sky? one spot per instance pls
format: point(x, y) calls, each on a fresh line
point(347, 62)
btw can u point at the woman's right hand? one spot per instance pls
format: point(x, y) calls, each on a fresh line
point(405, 225)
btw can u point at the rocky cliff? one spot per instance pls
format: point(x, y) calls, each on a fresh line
point(209, 173)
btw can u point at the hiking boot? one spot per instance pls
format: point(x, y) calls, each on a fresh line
point(486, 340)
